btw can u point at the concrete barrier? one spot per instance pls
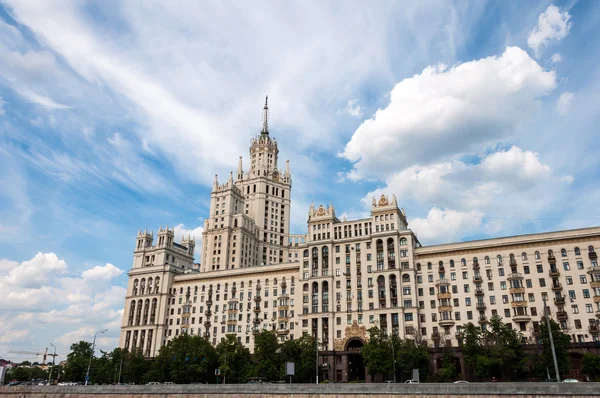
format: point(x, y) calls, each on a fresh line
point(504, 390)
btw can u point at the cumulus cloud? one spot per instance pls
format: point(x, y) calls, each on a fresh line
point(106, 272)
point(181, 230)
point(556, 58)
point(37, 295)
point(2, 103)
point(461, 188)
point(353, 109)
point(552, 25)
point(564, 103)
point(447, 111)
point(444, 225)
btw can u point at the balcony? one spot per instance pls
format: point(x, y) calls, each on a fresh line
point(562, 315)
point(595, 284)
point(479, 292)
point(592, 270)
point(559, 300)
point(442, 282)
point(443, 296)
point(256, 321)
point(282, 332)
point(516, 289)
point(593, 255)
point(557, 286)
point(521, 318)
point(594, 329)
point(551, 258)
point(515, 276)
point(476, 265)
point(480, 305)
point(477, 278)
point(554, 272)
point(513, 262)
point(446, 322)
point(482, 319)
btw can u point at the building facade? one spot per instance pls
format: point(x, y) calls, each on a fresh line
point(343, 277)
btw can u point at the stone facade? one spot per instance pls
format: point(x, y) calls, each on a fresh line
point(345, 276)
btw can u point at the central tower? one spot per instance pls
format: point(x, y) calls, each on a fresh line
point(249, 219)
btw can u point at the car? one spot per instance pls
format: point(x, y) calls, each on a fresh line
point(411, 382)
point(570, 381)
point(153, 383)
point(461, 382)
point(169, 383)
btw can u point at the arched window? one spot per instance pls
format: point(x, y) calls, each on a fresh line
point(157, 284)
point(315, 297)
point(441, 265)
point(475, 260)
point(590, 249)
point(391, 254)
point(403, 242)
point(537, 255)
point(135, 287)
point(143, 286)
point(577, 251)
point(563, 252)
point(325, 257)
point(305, 287)
point(306, 253)
point(226, 286)
point(487, 259)
point(393, 291)
point(241, 284)
point(405, 278)
point(379, 249)
point(131, 313)
point(150, 285)
point(218, 287)
point(325, 296)
point(267, 282)
point(451, 263)
point(418, 266)
point(463, 262)
point(293, 279)
point(235, 223)
point(550, 253)
point(275, 282)
point(381, 291)
point(523, 256)
point(499, 259)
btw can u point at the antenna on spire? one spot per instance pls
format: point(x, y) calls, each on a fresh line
point(265, 129)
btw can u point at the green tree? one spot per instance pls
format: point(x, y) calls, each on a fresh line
point(472, 347)
point(183, 360)
point(377, 353)
point(562, 343)
point(590, 366)
point(410, 355)
point(234, 360)
point(77, 361)
point(302, 352)
point(266, 356)
point(448, 371)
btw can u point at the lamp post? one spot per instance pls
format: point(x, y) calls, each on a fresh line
point(317, 364)
point(52, 368)
point(547, 315)
point(87, 374)
point(393, 357)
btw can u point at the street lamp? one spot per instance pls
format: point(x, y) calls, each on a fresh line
point(53, 359)
point(547, 316)
point(87, 374)
point(393, 357)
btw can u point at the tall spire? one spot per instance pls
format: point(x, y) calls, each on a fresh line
point(265, 129)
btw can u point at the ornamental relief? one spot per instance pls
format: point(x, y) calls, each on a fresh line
point(353, 331)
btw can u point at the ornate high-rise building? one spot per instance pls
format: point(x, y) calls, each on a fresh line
point(345, 276)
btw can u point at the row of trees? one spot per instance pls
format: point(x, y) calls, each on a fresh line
point(188, 359)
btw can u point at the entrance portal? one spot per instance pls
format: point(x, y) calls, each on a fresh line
point(356, 368)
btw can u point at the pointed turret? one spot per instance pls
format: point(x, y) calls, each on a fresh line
point(215, 183)
point(265, 129)
point(240, 170)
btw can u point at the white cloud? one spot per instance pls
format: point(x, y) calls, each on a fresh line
point(445, 112)
point(38, 298)
point(564, 103)
point(2, 103)
point(181, 230)
point(552, 25)
point(106, 272)
point(353, 109)
point(446, 225)
point(556, 58)
point(41, 99)
point(461, 189)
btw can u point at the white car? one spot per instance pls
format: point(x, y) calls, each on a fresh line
point(153, 383)
point(411, 382)
point(570, 381)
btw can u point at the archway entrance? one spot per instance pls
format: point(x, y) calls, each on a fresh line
point(356, 368)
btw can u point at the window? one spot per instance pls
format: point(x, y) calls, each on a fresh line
point(586, 293)
point(492, 300)
point(563, 252)
point(502, 285)
point(523, 256)
point(575, 309)
point(569, 280)
point(542, 282)
point(531, 297)
point(403, 241)
point(577, 251)
point(452, 276)
point(526, 269)
point(540, 269)
point(537, 255)
point(506, 313)
point(566, 266)
point(465, 275)
point(499, 259)
point(487, 260)
point(468, 301)
point(528, 283)
point(579, 264)
point(589, 309)
point(466, 288)
point(500, 271)
point(572, 294)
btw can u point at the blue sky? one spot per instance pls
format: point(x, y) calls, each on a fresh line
point(479, 116)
